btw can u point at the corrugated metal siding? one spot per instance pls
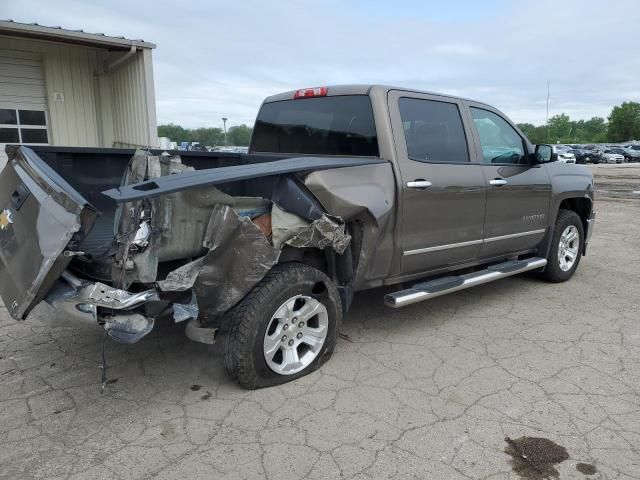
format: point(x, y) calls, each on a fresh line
point(120, 113)
point(21, 80)
point(68, 69)
point(130, 105)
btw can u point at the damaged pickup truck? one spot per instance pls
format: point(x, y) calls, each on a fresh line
point(344, 188)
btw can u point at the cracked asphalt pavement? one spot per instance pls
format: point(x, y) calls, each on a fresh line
point(430, 391)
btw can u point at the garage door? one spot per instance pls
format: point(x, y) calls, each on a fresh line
point(23, 101)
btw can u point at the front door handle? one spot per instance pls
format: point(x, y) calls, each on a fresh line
point(419, 183)
point(498, 182)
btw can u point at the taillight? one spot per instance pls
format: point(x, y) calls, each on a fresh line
point(311, 92)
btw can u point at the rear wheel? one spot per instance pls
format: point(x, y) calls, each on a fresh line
point(284, 329)
point(566, 247)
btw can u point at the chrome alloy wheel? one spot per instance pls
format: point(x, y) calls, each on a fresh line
point(295, 335)
point(568, 248)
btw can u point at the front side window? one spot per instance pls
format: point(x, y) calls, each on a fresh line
point(433, 131)
point(23, 126)
point(499, 140)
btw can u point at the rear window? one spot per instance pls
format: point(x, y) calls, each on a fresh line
point(340, 125)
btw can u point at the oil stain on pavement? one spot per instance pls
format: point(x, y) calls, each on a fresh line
point(586, 469)
point(533, 458)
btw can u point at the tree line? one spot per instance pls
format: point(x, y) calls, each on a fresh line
point(623, 125)
point(238, 135)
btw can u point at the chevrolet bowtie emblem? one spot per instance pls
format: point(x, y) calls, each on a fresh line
point(6, 218)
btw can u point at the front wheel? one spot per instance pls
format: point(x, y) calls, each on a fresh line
point(284, 329)
point(566, 247)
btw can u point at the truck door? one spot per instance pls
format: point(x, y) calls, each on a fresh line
point(443, 189)
point(518, 192)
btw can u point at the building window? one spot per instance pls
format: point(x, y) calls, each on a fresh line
point(23, 126)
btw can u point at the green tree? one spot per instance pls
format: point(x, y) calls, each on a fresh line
point(175, 132)
point(239, 135)
point(593, 130)
point(534, 134)
point(624, 122)
point(560, 129)
point(207, 136)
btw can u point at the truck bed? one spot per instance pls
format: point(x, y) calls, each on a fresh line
point(93, 170)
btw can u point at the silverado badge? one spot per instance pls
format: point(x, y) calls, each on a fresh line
point(6, 218)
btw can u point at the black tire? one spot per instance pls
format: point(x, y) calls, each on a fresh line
point(248, 321)
point(553, 272)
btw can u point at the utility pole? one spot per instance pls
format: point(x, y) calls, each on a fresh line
point(224, 123)
point(546, 130)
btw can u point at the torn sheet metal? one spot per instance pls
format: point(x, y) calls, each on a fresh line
point(215, 176)
point(323, 233)
point(295, 231)
point(239, 257)
point(132, 264)
point(186, 311)
point(128, 328)
point(182, 278)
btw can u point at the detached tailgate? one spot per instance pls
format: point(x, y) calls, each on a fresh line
point(40, 215)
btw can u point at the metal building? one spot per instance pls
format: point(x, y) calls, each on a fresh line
point(69, 87)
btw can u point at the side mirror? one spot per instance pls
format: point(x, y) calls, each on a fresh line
point(545, 154)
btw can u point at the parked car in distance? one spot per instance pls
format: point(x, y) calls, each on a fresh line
point(564, 154)
point(582, 155)
point(612, 157)
point(629, 154)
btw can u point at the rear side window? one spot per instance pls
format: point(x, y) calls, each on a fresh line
point(340, 125)
point(433, 131)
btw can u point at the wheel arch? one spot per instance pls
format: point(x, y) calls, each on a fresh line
point(583, 206)
point(340, 268)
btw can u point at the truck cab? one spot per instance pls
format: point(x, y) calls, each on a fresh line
point(469, 187)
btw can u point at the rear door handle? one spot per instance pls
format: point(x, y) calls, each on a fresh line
point(419, 183)
point(498, 182)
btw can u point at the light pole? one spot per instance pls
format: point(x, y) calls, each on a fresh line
point(224, 123)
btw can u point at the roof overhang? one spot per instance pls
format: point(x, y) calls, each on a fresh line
point(76, 37)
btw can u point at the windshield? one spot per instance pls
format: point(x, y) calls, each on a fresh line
point(340, 125)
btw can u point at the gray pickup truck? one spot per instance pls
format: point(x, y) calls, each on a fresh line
point(344, 188)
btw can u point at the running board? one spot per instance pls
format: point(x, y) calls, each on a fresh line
point(441, 286)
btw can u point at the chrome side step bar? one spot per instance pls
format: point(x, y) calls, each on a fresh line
point(441, 286)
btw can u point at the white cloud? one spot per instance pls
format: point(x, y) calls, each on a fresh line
point(219, 59)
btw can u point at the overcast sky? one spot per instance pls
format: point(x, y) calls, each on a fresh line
point(221, 58)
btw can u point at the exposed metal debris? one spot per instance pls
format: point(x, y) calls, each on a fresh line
point(186, 311)
point(239, 257)
point(128, 328)
point(323, 233)
point(182, 278)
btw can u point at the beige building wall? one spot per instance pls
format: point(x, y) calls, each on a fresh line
point(89, 105)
